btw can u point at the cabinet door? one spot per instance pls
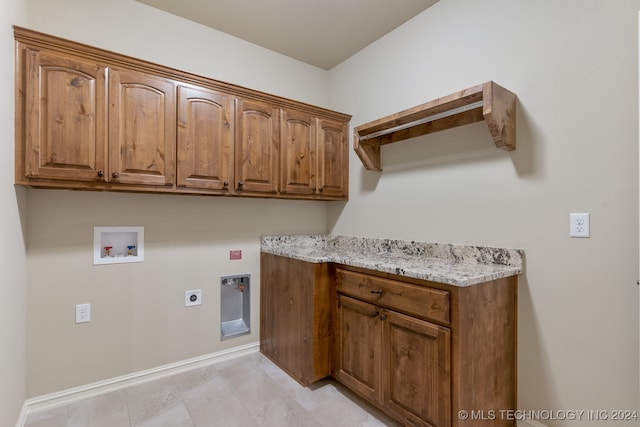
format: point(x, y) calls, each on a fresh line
point(333, 159)
point(298, 146)
point(295, 316)
point(142, 128)
point(358, 332)
point(65, 117)
point(205, 132)
point(256, 146)
point(416, 367)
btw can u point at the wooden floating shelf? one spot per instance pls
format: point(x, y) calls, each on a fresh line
point(487, 101)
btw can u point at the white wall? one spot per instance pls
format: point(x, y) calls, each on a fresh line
point(13, 271)
point(138, 316)
point(574, 66)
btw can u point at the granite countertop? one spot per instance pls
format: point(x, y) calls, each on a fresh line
point(456, 265)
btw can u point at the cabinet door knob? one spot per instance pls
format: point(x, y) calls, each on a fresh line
point(225, 184)
point(115, 175)
point(383, 317)
point(240, 184)
point(100, 174)
point(374, 313)
point(377, 291)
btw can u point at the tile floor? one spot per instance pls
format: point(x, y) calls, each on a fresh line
point(243, 392)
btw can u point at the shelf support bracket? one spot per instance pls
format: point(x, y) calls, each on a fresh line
point(499, 111)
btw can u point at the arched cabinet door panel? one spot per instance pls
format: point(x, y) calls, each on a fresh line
point(65, 117)
point(205, 139)
point(256, 147)
point(142, 128)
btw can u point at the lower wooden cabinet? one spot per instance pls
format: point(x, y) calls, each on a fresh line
point(295, 316)
point(358, 350)
point(421, 367)
point(395, 361)
point(416, 379)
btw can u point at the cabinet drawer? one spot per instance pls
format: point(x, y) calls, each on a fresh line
point(408, 298)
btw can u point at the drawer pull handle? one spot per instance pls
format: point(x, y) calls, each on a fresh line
point(374, 313)
point(377, 291)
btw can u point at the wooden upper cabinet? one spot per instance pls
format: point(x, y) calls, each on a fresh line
point(256, 146)
point(205, 139)
point(142, 128)
point(333, 158)
point(314, 156)
point(298, 148)
point(91, 119)
point(65, 116)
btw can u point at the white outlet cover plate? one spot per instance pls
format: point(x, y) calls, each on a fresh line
point(579, 225)
point(193, 297)
point(83, 313)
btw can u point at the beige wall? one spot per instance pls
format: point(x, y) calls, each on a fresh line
point(13, 271)
point(138, 316)
point(574, 66)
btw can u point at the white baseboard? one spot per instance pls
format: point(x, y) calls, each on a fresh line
point(65, 397)
point(22, 418)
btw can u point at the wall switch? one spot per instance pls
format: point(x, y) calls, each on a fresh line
point(193, 297)
point(579, 225)
point(83, 313)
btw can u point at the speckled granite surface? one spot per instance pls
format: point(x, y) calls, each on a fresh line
point(443, 263)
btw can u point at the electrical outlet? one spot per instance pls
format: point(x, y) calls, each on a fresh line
point(193, 297)
point(83, 313)
point(579, 225)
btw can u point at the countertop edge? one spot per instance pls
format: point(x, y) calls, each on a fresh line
point(456, 265)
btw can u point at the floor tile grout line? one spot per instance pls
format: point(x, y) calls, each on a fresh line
point(239, 398)
point(257, 364)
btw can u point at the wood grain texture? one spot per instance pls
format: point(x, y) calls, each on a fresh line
point(205, 139)
point(332, 154)
point(358, 348)
point(500, 113)
point(484, 350)
point(416, 370)
point(498, 110)
point(142, 128)
point(419, 301)
point(298, 148)
point(108, 122)
point(480, 355)
point(257, 147)
point(65, 120)
point(295, 316)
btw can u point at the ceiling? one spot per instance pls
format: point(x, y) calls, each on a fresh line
point(319, 32)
